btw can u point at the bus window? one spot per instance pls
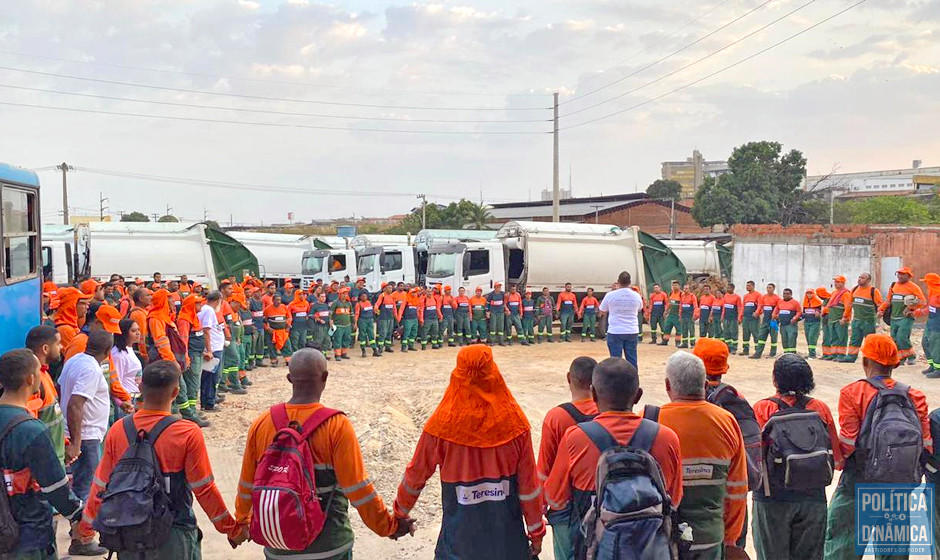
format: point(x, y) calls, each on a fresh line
point(20, 239)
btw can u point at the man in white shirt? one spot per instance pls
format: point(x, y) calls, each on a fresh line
point(622, 306)
point(86, 401)
point(215, 342)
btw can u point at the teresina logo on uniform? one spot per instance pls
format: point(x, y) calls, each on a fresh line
point(483, 492)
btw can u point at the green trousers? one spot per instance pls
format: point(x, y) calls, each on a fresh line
point(183, 544)
point(826, 337)
point(229, 375)
point(788, 335)
point(672, 325)
point(763, 333)
point(838, 339)
point(257, 346)
point(811, 332)
point(181, 403)
point(497, 327)
point(860, 329)
point(430, 332)
point(566, 320)
point(657, 324)
point(687, 330)
point(272, 351)
point(298, 338)
point(901, 333)
point(342, 338)
point(247, 350)
point(192, 377)
point(789, 530)
point(561, 542)
point(545, 326)
point(409, 332)
point(462, 327)
point(478, 330)
point(528, 328)
point(840, 525)
point(366, 328)
point(750, 327)
point(589, 326)
point(514, 323)
point(321, 336)
point(729, 333)
point(931, 344)
point(447, 329)
point(704, 327)
point(386, 332)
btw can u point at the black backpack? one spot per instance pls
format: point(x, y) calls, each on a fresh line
point(890, 443)
point(727, 397)
point(578, 416)
point(797, 451)
point(135, 513)
point(9, 527)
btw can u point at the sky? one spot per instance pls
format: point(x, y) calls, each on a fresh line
point(359, 106)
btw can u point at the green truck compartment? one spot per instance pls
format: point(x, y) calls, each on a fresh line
point(229, 257)
point(661, 264)
point(725, 258)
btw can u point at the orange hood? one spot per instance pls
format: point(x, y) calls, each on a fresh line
point(68, 300)
point(477, 409)
point(160, 307)
point(188, 311)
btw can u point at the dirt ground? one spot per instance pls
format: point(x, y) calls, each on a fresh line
point(389, 398)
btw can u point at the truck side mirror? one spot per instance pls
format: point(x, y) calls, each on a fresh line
point(466, 266)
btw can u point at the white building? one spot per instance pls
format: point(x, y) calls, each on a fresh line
point(877, 183)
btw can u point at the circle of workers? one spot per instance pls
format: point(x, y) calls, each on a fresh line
point(670, 482)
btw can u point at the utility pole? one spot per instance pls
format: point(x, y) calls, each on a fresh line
point(424, 208)
point(596, 207)
point(65, 168)
point(555, 193)
point(205, 214)
point(672, 218)
point(168, 210)
point(155, 216)
point(102, 208)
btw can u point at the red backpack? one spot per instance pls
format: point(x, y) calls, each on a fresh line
point(286, 513)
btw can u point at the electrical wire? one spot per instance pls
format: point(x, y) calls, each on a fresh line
point(693, 63)
point(270, 124)
point(266, 98)
point(715, 73)
point(668, 56)
point(266, 111)
point(270, 81)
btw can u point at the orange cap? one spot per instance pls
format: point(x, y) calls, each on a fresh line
point(497, 285)
point(110, 317)
point(931, 278)
point(479, 289)
point(882, 349)
point(714, 353)
point(344, 290)
point(840, 278)
point(89, 286)
point(447, 288)
point(822, 292)
point(905, 270)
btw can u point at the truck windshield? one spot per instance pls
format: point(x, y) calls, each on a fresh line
point(311, 265)
point(366, 263)
point(442, 265)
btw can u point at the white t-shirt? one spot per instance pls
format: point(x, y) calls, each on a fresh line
point(623, 306)
point(128, 368)
point(208, 320)
point(83, 376)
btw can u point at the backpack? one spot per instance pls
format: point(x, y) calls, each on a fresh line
point(576, 415)
point(933, 461)
point(631, 515)
point(135, 513)
point(286, 512)
point(797, 451)
point(890, 442)
point(727, 397)
point(887, 316)
point(9, 527)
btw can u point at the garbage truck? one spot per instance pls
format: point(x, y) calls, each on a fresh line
point(702, 258)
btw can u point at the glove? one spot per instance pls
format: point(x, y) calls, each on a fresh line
point(774, 325)
point(227, 343)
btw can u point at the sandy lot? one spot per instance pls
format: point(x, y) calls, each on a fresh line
point(389, 398)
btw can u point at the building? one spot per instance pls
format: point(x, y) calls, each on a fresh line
point(889, 182)
point(692, 172)
point(548, 194)
point(77, 220)
point(634, 209)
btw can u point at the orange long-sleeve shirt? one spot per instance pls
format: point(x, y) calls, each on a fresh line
point(792, 308)
point(730, 302)
point(658, 301)
point(180, 449)
point(158, 333)
point(751, 302)
point(845, 298)
point(764, 409)
point(576, 463)
point(411, 301)
point(905, 289)
point(139, 316)
point(566, 300)
point(854, 399)
point(385, 299)
point(589, 302)
point(336, 449)
point(78, 345)
point(712, 455)
point(554, 425)
point(430, 301)
point(689, 300)
point(705, 303)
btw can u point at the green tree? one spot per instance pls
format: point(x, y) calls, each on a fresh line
point(455, 215)
point(478, 215)
point(761, 187)
point(135, 217)
point(889, 210)
point(168, 219)
point(213, 224)
point(662, 188)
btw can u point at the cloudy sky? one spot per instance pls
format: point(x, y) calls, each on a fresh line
point(329, 80)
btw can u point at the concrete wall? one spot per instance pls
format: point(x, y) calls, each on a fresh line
point(798, 266)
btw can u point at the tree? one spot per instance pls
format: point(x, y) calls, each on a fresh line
point(889, 210)
point(135, 217)
point(662, 188)
point(478, 215)
point(168, 219)
point(455, 215)
point(762, 187)
point(212, 224)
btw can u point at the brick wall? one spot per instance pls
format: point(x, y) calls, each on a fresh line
point(651, 218)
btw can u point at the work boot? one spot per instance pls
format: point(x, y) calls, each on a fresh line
point(424, 346)
point(812, 355)
point(363, 348)
point(238, 391)
point(222, 388)
point(756, 356)
point(744, 352)
point(525, 343)
point(501, 343)
point(929, 369)
point(345, 357)
point(219, 398)
point(664, 343)
point(582, 339)
point(404, 348)
point(773, 353)
point(934, 374)
point(389, 350)
point(246, 382)
point(411, 347)
point(197, 420)
point(78, 548)
point(653, 341)
point(265, 362)
point(912, 360)
point(550, 338)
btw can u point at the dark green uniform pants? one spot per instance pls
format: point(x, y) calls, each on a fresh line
point(366, 329)
point(545, 327)
point(840, 525)
point(514, 322)
point(321, 335)
point(497, 327)
point(811, 332)
point(789, 530)
point(687, 328)
point(447, 329)
point(183, 544)
point(657, 325)
point(931, 343)
point(672, 324)
point(567, 320)
point(257, 346)
point(342, 337)
point(788, 336)
point(430, 332)
point(838, 339)
point(901, 333)
point(826, 336)
point(478, 330)
point(860, 329)
point(749, 329)
point(386, 330)
point(763, 333)
point(298, 338)
point(589, 326)
point(462, 327)
point(409, 332)
point(192, 377)
point(528, 329)
point(704, 327)
point(729, 333)
point(561, 542)
point(272, 351)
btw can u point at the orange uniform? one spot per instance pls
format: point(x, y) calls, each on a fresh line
point(732, 302)
point(689, 301)
point(765, 408)
point(589, 302)
point(854, 399)
point(139, 316)
point(843, 297)
point(793, 307)
point(566, 300)
point(658, 301)
point(554, 425)
point(905, 289)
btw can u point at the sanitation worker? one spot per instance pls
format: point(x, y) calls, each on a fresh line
point(566, 306)
point(824, 295)
point(365, 324)
point(385, 309)
point(408, 318)
point(768, 302)
point(588, 315)
point(320, 311)
point(840, 313)
point(546, 315)
point(430, 319)
point(902, 313)
point(514, 315)
point(299, 310)
point(932, 330)
point(655, 312)
point(495, 313)
point(256, 308)
point(865, 302)
point(528, 317)
point(341, 318)
point(705, 317)
point(787, 314)
point(462, 317)
point(672, 316)
point(448, 307)
point(688, 313)
point(750, 322)
point(276, 324)
point(812, 315)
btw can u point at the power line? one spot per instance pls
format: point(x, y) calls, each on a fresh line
point(269, 124)
point(269, 81)
point(693, 63)
point(670, 55)
point(265, 111)
point(715, 73)
point(266, 98)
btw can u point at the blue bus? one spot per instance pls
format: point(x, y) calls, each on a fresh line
point(20, 269)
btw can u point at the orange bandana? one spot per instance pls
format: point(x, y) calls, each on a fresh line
point(188, 311)
point(477, 409)
point(715, 355)
point(882, 349)
point(160, 307)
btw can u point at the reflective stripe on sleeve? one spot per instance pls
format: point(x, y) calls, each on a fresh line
point(201, 483)
point(706, 461)
point(532, 496)
point(244, 496)
point(99, 482)
point(359, 486)
point(53, 487)
point(533, 527)
point(409, 489)
point(736, 496)
point(847, 441)
point(220, 517)
point(365, 500)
